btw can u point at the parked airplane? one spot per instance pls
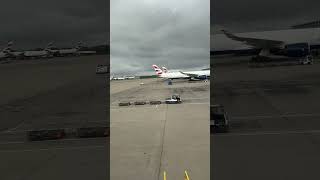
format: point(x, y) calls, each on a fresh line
point(192, 75)
point(200, 74)
point(14, 54)
point(5, 51)
point(169, 75)
point(71, 51)
point(119, 78)
point(39, 54)
point(129, 77)
point(197, 75)
point(290, 43)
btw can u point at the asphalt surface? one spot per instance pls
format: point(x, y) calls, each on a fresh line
point(50, 94)
point(274, 122)
point(147, 140)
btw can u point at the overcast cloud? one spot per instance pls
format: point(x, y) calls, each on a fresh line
point(169, 33)
point(34, 23)
point(261, 15)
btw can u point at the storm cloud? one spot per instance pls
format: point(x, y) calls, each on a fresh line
point(261, 15)
point(168, 33)
point(34, 23)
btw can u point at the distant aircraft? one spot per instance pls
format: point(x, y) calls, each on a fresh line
point(129, 77)
point(39, 54)
point(5, 51)
point(71, 51)
point(8, 53)
point(192, 75)
point(14, 54)
point(119, 78)
point(197, 75)
point(85, 52)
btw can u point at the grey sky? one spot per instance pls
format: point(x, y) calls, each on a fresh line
point(165, 32)
point(261, 15)
point(34, 23)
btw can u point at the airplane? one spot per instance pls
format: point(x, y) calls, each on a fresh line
point(13, 54)
point(197, 75)
point(47, 52)
point(169, 75)
point(5, 52)
point(281, 44)
point(119, 78)
point(71, 51)
point(113, 77)
point(129, 77)
point(191, 75)
point(8, 53)
point(85, 52)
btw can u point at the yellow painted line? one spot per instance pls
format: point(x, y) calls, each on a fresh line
point(186, 177)
point(164, 175)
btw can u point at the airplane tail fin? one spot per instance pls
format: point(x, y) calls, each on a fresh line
point(165, 70)
point(157, 69)
point(8, 48)
point(49, 46)
point(79, 45)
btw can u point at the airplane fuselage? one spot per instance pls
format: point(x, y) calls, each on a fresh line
point(174, 75)
point(35, 53)
point(199, 73)
point(67, 51)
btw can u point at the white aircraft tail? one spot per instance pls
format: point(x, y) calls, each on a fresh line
point(157, 69)
point(49, 46)
point(8, 48)
point(79, 45)
point(164, 69)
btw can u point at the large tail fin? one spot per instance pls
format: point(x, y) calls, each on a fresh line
point(157, 69)
point(8, 48)
point(79, 45)
point(165, 70)
point(49, 46)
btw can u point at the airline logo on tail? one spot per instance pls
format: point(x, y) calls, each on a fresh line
point(157, 69)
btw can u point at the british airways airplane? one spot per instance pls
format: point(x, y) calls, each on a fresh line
point(193, 75)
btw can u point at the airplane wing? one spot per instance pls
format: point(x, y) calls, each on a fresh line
point(255, 42)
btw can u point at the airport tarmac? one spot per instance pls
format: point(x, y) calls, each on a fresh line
point(147, 140)
point(274, 122)
point(49, 94)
